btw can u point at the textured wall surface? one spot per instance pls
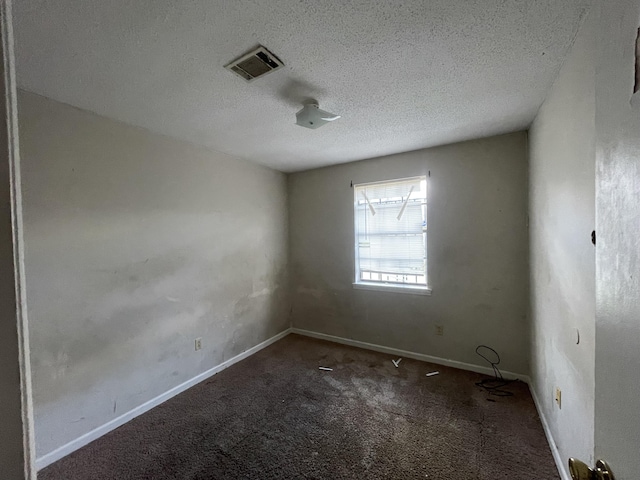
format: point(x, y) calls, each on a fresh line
point(477, 250)
point(11, 434)
point(12, 440)
point(404, 75)
point(136, 244)
point(617, 389)
point(562, 216)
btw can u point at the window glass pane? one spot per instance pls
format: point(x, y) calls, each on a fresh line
point(390, 229)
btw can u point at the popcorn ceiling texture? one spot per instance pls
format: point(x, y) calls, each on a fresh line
point(404, 76)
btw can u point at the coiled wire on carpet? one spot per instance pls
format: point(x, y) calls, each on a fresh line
point(494, 386)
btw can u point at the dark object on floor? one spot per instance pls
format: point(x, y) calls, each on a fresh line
point(276, 416)
point(493, 385)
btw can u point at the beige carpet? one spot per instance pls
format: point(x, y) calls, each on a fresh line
point(275, 415)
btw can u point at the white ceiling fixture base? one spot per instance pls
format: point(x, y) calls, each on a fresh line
point(312, 117)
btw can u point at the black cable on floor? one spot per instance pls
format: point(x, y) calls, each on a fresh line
point(494, 386)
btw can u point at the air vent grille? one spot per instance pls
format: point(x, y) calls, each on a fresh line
point(255, 64)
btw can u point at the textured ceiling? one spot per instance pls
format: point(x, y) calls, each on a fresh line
point(403, 75)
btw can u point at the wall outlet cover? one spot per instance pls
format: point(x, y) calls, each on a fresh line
point(559, 397)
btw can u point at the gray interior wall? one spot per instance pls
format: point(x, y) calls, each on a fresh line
point(477, 254)
point(137, 244)
point(14, 444)
point(562, 216)
point(12, 453)
point(617, 391)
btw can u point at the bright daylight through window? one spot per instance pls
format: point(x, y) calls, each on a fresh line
point(391, 235)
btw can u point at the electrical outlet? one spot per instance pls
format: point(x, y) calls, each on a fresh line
point(559, 397)
point(198, 343)
point(439, 329)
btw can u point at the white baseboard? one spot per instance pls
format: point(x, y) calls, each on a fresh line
point(89, 437)
point(560, 463)
point(403, 353)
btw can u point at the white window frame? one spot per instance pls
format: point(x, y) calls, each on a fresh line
point(405, 288)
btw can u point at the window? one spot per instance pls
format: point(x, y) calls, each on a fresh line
point(391, 235)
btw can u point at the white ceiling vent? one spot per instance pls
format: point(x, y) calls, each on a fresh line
point(255, 64)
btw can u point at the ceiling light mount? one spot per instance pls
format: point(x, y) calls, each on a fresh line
point(312, 117)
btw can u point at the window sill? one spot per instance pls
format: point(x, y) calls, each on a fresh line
point(392, 288)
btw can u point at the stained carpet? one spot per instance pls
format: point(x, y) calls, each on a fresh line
point(275, 415)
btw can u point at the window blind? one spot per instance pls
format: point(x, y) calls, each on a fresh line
point(390, 230)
